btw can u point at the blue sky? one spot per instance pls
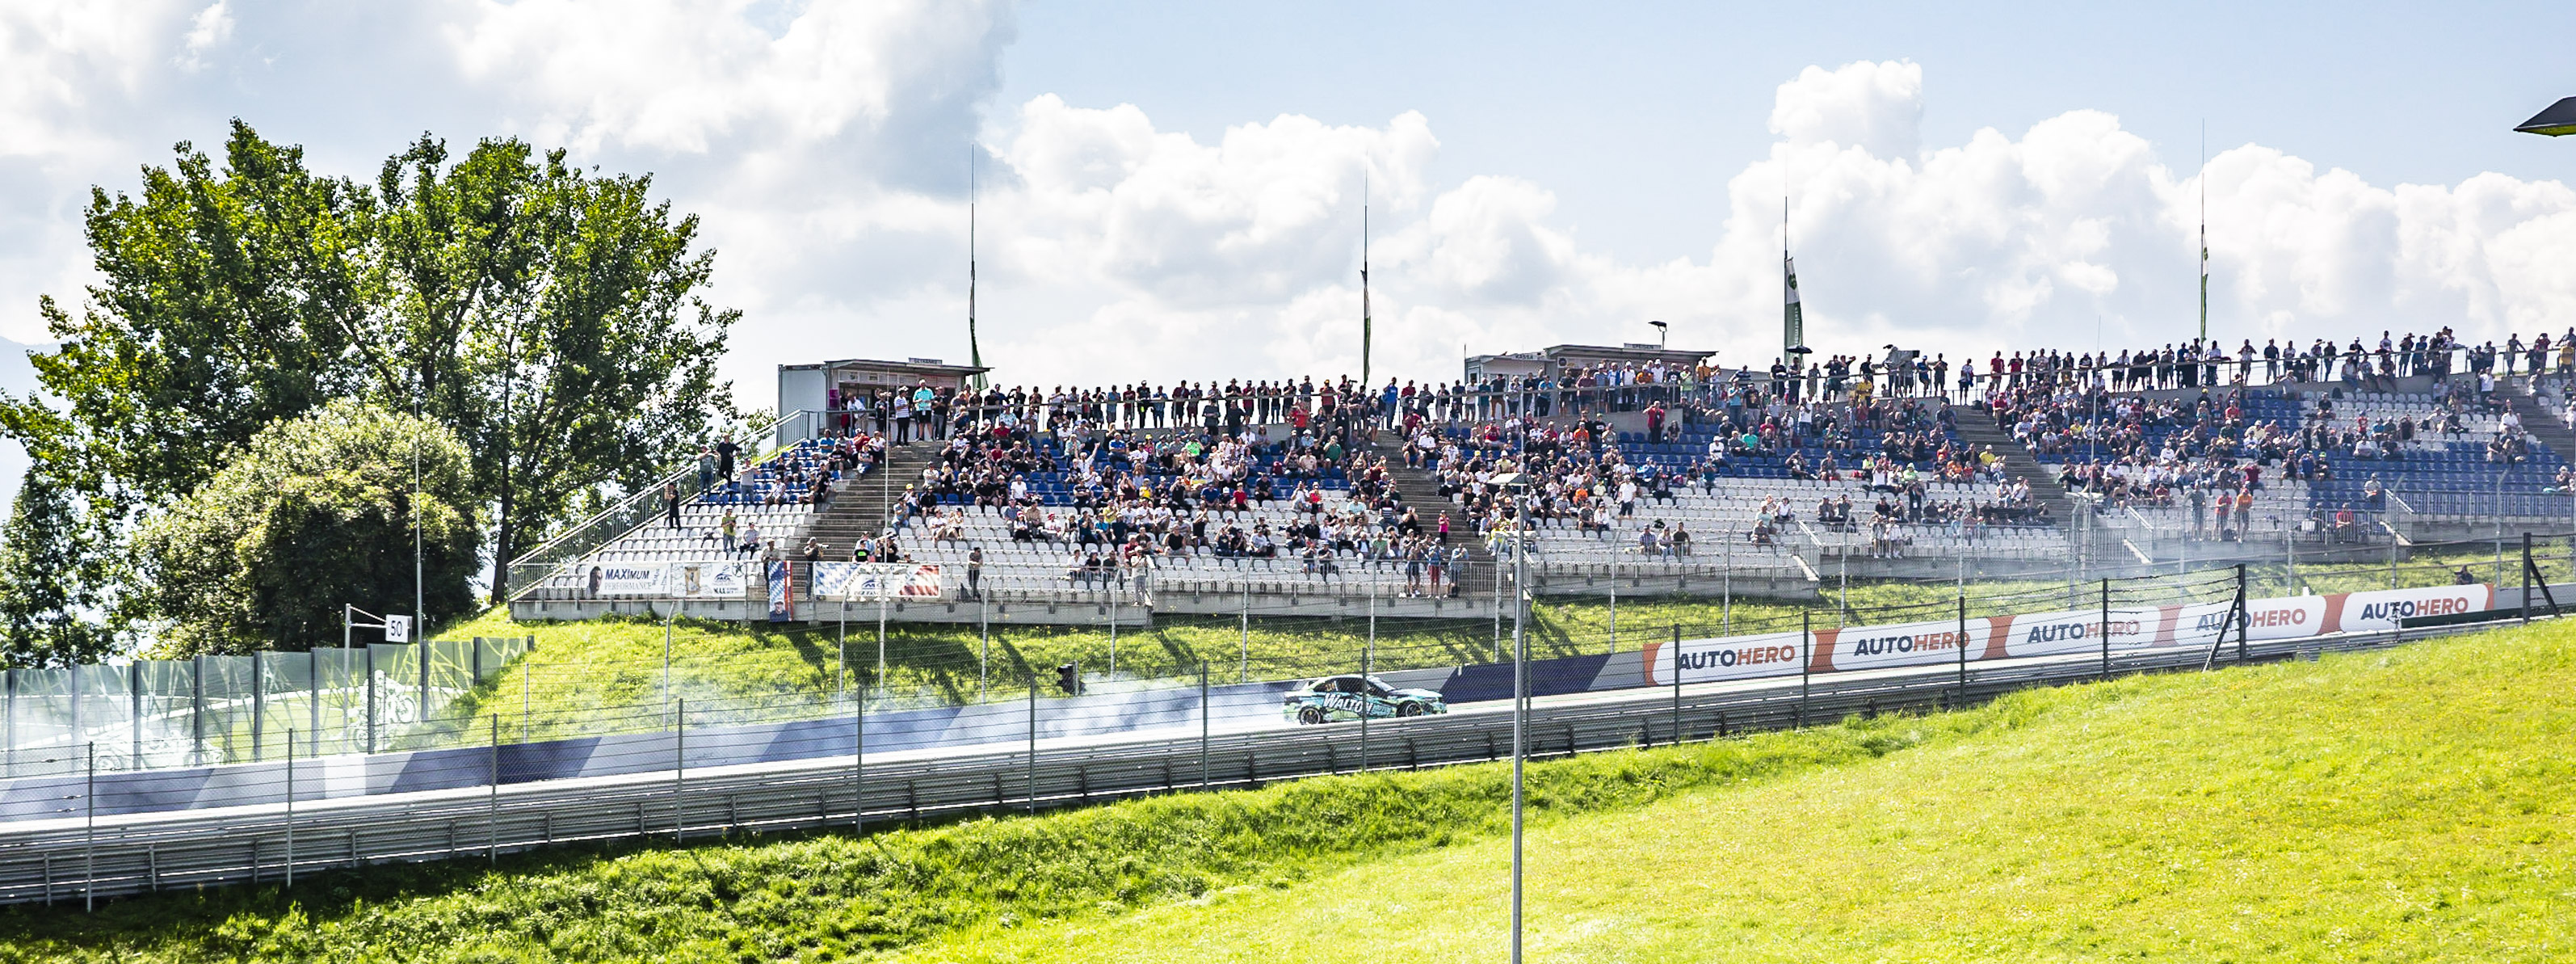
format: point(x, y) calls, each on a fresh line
point(1632, 113)
point(1172, 189)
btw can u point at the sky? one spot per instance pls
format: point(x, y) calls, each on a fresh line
point(1170, 191)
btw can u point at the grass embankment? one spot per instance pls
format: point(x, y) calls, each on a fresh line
point(2399, 806)
point(2402, 805)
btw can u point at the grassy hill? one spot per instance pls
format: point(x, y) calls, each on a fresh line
point(2403, 805)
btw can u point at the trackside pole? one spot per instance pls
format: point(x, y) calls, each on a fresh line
point(2244, 619)
point(492, 813)
point(1368, 664)
point(1806, 661)
point(1206, 714)
point(679, 771)
point(858, 762)
point(89, 842)
point(2106, 629)
point(1677, 684)
point(1963, 651)
point(290, 807)
point(1033, 742)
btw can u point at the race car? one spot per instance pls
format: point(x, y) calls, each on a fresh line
point(1347, 697)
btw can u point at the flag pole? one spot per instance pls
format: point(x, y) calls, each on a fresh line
point(974, 349)
point(1366, 323)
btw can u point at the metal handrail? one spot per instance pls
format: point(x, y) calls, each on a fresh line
point(548, 551)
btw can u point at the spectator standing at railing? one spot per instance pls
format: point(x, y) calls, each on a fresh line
point(671, 504)
point(726, 450)
point(706, 469)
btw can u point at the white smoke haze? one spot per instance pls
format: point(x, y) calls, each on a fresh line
point(825, 145)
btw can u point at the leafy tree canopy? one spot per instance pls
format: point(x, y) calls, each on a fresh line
point(49, 581)
point(550, 317)
point(315, 512)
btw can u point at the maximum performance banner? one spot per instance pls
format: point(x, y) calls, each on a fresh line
point(2042, 634)
point(664, 580)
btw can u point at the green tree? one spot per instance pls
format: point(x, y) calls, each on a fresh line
point(553, 317)
point(550, 316)
point(228, 299)
point(316, 512)
point(48, 581)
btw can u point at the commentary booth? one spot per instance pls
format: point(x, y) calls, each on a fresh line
point(830, 386)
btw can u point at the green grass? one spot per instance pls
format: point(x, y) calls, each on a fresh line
point(2401, 806)
point(2394, 806)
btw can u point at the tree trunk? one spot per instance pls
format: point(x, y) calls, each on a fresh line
point(503, 548)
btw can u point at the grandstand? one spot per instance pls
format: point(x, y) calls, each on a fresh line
point(1116, 503)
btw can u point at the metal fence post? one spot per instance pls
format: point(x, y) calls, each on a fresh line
point(371, 698)
point(1963, 652)
point(492, 814)
point(258, 707)
point(1368, 656)
point(196, 709)
point(1677, 684)
point(2244, 620)
point(312, 706)
point(679, 770)
point(1033, 742)
point(2106, 629)
point(1806, 659)
point(858, 762)
point(290, 807)
point(1206, 714)
point(2526, 576)
point(89, 841)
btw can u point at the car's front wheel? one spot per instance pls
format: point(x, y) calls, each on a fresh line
point(1311, 716)
point(1409, 709)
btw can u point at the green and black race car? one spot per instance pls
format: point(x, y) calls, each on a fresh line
point(1347, 697)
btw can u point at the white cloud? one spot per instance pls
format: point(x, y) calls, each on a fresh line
point(209, 28)
point(823, 144)
point(2002, 241)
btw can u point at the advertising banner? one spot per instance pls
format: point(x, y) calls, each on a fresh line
point(2042, 634)
point(1903, 644)
point(626, 579)
point(782, 603)
point(2380, 609)
point(1735, 657)
point(2077, 631)
point(872, 581)
point(707, 580)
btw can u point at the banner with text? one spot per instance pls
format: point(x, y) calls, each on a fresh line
point(873, 581)
point(2053, 633)
point(708, 580)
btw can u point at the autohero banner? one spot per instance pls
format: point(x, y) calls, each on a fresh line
point(2043, 634)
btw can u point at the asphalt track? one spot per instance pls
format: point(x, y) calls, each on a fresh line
point(74, 858)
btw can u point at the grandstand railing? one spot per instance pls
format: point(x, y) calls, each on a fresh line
point(627, 514)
